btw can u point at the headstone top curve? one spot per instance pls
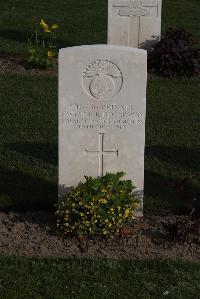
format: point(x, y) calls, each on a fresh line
point(103, 46)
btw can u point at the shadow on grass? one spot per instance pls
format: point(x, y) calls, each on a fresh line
point(22, 36)
point(47, 152)
point(158, 192)
point(65, 44)
point(20, 191)
point(186, 158)
point(15, 35)
point(160, 196)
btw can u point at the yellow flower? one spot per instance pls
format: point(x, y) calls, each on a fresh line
point(43, 24)
point(55, 26)
point(127, 211)
point(103, 200)
point(51, 54)
point(47, 29)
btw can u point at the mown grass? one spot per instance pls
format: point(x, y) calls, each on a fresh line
point(81, 21)
point(28, 146)
point(28, 126)
point(28, 156)
point(28, 142)
point(23, 278)
point(172, 142)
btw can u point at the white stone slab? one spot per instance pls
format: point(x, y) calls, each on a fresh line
point(102, 104)
point(134, 23)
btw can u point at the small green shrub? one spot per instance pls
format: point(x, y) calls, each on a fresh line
point(42, 46)
point(97, 207)
point(175, 55)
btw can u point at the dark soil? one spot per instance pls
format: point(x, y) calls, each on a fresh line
point(34, 234)
point(17, 65)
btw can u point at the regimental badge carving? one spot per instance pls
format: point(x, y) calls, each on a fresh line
point(102, 79)
point(135, 9)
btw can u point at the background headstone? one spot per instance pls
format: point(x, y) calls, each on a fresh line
point(134, 23)
point(102, 104)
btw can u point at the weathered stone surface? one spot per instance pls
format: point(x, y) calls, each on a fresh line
point(102, 103)
point(134, 23)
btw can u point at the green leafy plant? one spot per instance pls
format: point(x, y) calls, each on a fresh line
point(175, 55)
point(97, 207)
point(42, 46)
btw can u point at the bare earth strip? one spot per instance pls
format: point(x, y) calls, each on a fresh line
point(17, 65)
point(34, 234)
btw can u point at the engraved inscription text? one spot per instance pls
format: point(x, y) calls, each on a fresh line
point(135, 9)
point(105, 116)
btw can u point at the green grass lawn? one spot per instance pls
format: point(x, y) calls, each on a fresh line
point(28, 141)
point(81, 21)
point(28, 126)
point(28, 156)
point(23, 278)
point(172, 141)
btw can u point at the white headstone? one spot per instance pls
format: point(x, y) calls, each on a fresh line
point(102, 104)
point(134, 23)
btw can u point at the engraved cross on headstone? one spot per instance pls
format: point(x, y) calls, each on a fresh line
point(135, 10)
point(101, 152)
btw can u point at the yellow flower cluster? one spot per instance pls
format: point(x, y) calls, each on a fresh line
point(50, 54)
point(90, 218)
point(96, 211)
point(103, 201)
point(47, 28)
